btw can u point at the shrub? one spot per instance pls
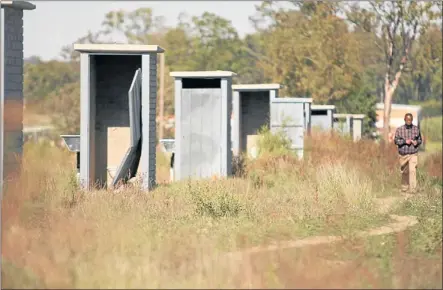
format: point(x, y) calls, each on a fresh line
point(273, 143)
point(430, 108)
point(432, 128)
point(215, 200)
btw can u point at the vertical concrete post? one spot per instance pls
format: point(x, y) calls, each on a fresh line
point(87, 121)
point(11, 88)
point(149, 127)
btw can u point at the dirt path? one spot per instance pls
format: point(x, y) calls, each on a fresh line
point(242, 268)
point(399, 224)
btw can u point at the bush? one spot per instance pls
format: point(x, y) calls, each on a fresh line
point(273, 143)
point(431, 128)
point(430, 108)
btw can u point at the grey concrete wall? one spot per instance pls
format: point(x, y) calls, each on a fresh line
point(13, 91)
point(357, 128)
point(343, 126)
point(114, 74)
point(226, 142)
point(308, 118)
point(288, 114)
point(322, 122)
point(203, 131)
point(149, 128)
point(255, 112)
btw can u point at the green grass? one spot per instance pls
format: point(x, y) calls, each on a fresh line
point(433, 146)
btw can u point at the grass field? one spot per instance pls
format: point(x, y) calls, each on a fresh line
point(179, 235)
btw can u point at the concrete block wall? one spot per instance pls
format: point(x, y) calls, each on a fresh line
point(152, 122)
point(255, 111)
point(107, 72)
point(12, 92)
point(114, 75)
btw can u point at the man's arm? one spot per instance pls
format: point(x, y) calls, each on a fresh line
point(418, 139)
point(399, 140)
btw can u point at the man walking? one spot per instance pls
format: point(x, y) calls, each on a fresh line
point(408, 139)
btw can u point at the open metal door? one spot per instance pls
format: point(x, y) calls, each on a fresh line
point(128, 167)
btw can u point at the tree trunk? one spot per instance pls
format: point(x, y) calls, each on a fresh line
point(387, 113)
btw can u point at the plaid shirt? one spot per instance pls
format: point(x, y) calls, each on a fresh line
point(404, 133)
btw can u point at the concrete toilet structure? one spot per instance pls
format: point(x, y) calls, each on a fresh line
point(349, 125)
point(251, 110)
point(322, 117)
point(11, 88)
point(203, 107)
point(293, 116)
point(357, 126)
point(342, 124)
point(118, 110)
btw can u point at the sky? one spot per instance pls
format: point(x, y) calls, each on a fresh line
point(54, 24)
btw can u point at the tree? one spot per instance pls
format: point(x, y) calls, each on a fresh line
point(308, 49)
point(42, 78)
point(426, 66)
point(139, 26)
point(69, 54)
point(64, 105)
point(361, 100)
point(399, 23)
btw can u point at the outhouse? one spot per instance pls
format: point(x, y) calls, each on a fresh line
point(349, 124)
point(118, 110)
point(11, 87)
point(203, 105)
point(343, 124)
point(251, 110)
point(322, 117)
point(357, 126)
point(293, 116)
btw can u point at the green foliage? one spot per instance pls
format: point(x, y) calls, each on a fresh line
point(43, 78)
point(215, 201)
point(432, 128)
point(293, 57)
point(273, 143)
point(64, 105)
point(431, 108)
point(307, 47)
point(427, 236)
point(422, 80)
point(360, 100)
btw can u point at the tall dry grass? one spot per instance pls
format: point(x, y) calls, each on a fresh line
point(178, 234)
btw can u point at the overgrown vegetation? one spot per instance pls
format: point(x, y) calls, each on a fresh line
point(273, 143)
point(183, 234)
point(179, 234)
point(432, 128)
